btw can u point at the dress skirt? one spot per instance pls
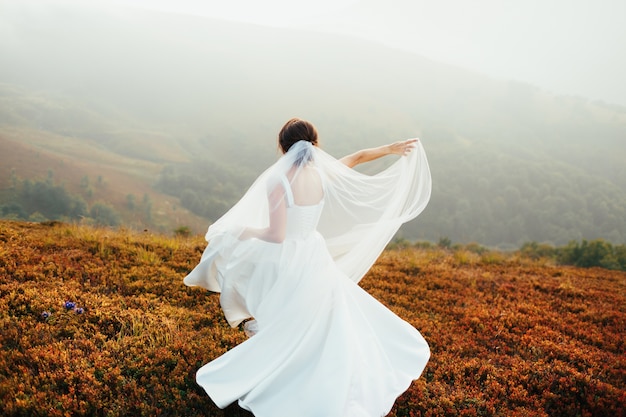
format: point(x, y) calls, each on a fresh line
point(324, 347)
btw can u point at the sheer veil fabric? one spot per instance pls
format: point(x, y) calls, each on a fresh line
point(301, 291)
point(361, 212)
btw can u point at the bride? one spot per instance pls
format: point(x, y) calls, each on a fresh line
point(287, 259)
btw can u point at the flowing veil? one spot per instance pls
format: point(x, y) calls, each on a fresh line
point(360, 216)
point(363, 212)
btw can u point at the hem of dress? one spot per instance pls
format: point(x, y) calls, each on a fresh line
point(392, 398)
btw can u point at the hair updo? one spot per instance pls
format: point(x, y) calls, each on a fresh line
point(294, 131)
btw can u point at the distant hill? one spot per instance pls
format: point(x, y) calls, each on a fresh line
point(508, 335)
point(95, 157)
point(190, 108)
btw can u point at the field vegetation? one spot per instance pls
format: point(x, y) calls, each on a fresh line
point(97, 322)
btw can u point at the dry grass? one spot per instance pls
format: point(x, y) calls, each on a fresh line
point(509, 336)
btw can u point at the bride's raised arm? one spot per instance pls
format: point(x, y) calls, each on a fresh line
point(369, 154)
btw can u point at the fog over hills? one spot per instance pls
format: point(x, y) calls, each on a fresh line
point(200, 102)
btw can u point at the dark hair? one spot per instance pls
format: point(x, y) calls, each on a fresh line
point(294, 131)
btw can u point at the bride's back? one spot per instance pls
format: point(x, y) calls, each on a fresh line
point(304, 203)
point(307, 187)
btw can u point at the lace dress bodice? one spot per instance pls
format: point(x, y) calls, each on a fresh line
point(301, 220)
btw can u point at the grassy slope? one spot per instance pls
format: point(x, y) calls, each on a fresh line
point(32, 153)
point(509, 336)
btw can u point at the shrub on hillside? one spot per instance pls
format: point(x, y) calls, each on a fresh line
point(585, 254)
point(536, 250)
point(103, 214)
point(52, 201)
point(594, 253)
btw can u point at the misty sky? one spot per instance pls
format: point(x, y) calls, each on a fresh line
point(564, 46)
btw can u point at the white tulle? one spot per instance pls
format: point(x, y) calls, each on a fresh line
point(320, 345)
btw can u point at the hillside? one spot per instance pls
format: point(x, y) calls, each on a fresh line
point(509, 336)
point(190, 108)
point(39, 142)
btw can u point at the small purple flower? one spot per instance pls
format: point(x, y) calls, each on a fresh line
point(70, 305)
point(79, 310)
point(45, 315)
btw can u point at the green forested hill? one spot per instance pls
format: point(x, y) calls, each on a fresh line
point(191, 108)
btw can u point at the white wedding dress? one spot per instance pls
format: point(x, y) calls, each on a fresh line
point(322, 346)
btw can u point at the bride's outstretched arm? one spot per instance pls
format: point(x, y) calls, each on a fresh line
point(365, 155)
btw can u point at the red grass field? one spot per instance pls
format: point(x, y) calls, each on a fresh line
point(509, 336)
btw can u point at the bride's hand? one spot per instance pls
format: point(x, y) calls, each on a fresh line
point(402, 147)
